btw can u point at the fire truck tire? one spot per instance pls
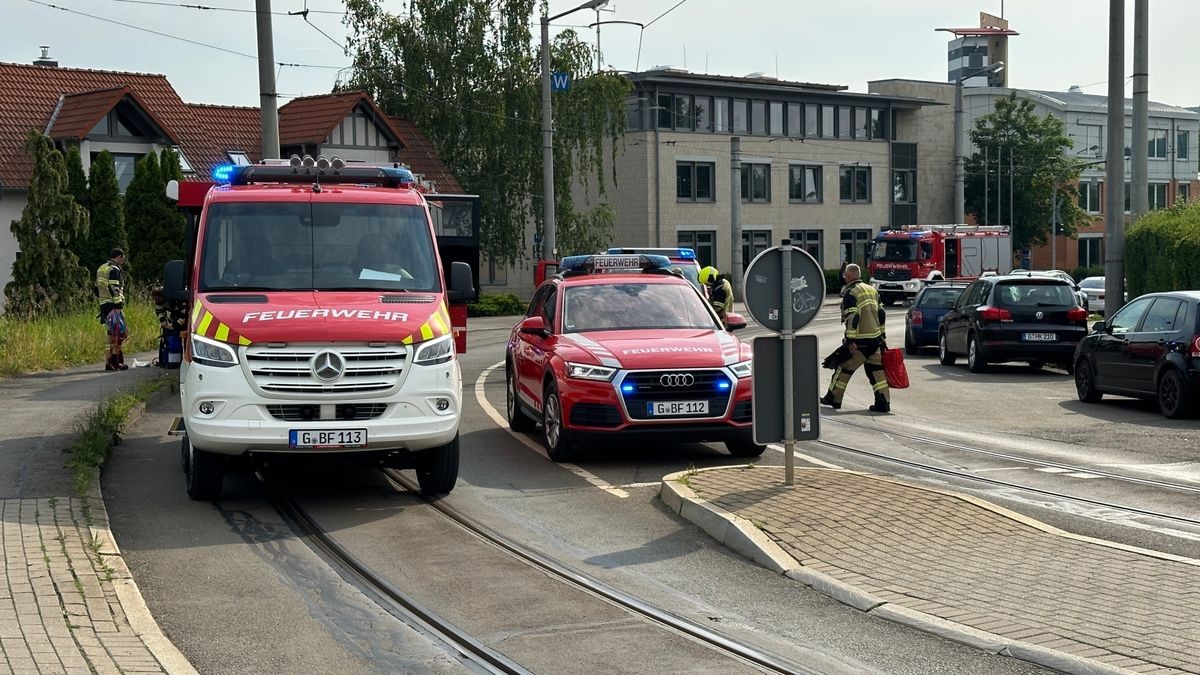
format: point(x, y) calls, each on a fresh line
point(945, 357)
point(745, 447)
point(558, 438)
point(437, 468)
point(204, 473)
point(975, 361)
point(518, 421)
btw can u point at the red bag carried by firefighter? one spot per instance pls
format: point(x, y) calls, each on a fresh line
point(893, 368)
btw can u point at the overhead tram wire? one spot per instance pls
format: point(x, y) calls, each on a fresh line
point(241, 10)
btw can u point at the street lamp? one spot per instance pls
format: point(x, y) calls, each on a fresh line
point(959, 199)
point(549, 244)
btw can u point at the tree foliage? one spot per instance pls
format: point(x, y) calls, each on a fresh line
point(46, 276)
point(108, 213)
point(467, 73)
point(78, 187)
point(156, 228)
point(1162, 250)
point(1039, 168)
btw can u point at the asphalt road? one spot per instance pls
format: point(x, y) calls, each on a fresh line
point(237, 592)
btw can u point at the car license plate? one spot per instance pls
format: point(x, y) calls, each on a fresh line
point(1040, 337)
point(668, 408)
point(327, 438)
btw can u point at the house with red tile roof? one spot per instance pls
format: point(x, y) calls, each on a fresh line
point(132, 114)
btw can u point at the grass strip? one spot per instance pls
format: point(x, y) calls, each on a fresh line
point(101, 430)
point(57, 341)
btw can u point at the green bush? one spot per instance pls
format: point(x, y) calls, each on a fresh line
point(496, 305)
point(833, 281)
point(1162, 250)
point(1081, 273)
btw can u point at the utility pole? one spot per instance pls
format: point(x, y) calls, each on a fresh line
point(1114, 217)
point(1138, 181)
point(549, 244)
point(960, 209)
point(735, 214)
point(1054, 228)
point(266, 80)
point(987, 169)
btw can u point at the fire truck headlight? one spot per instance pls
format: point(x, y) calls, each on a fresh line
point(294, 162)
point(436, 352)
point(212, 353)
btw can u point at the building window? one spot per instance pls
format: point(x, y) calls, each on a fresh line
point(666, 111)
point(812, 120)
point(775, 120)
point(1156, 144)
point(1156, 197)
point(701, 241)
point(855, 184)
point(694, 181)
point(1090, 250)
point(702, 112)
point(238, 157)
point(633, 116)
point(844, 121)
point(1181, 192)
point(124, 165)
point(804, 183)
point(683, 113)
point(853, 246)
point(809, 240)
point(1090, 140)
point(1181, 145)
point(741, 115)
point(904, 186)
point(861, 130)
point(758, 117)
point(493, 274)
point(828, 115)
point(1089, 197)
point(756, 182)
point(753, 243)
point(721, 115)
point(877, 124)
point(185, 166)
point(795, 120)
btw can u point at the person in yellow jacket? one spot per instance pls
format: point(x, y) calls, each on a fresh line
point(110, 288)
point(864, 339)
point(720, 292)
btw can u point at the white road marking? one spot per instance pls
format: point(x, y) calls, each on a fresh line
point(1051, 469)
point(1003, 468)
point(1082, 474)
point(808, 458)
point(503, 424)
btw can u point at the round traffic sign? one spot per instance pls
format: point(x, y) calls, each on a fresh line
point(764, 288)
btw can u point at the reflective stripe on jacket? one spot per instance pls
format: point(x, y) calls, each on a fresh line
point(108, 284)
point(861, 311)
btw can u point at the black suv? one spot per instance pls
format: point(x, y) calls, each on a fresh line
point(1149, 349)
point(1013, 318)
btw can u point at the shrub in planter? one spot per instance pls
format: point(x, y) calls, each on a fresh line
point(506, 304)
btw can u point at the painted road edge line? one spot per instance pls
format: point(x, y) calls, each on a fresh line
point(501, 422)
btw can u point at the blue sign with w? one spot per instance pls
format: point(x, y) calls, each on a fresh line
point(560, 81)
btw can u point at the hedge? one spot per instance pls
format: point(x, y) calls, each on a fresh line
point(1162, 250)
point(496, 305)
point(1081, 273)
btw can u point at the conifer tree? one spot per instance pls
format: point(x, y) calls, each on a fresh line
point(108, 217)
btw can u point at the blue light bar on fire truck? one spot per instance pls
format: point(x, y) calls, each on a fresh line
point(683, 253)
point(309, 170)
point(598, 264)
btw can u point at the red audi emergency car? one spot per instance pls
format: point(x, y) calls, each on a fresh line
point(618, 346)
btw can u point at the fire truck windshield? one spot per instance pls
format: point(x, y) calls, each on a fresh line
point(897, 250)
point(281, 246)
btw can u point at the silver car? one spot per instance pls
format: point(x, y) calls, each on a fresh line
point(1093, 287)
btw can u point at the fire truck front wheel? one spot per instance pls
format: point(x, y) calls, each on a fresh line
point(437, 468)
point(204, 472)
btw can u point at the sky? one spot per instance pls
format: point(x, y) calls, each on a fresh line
point(1061, 42)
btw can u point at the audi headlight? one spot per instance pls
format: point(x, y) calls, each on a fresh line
point(212, 353)
point(436, 352)
point(583, 371)
point(743, 369)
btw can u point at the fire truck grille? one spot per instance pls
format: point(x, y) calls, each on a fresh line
point(308, 412)
point(326, 369)
point(892, 275)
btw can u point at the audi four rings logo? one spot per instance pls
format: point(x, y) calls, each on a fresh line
point(328, 366)
point(677, 380)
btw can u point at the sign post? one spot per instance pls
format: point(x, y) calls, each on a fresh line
point(784, 287)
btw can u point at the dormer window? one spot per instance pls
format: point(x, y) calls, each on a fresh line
point(238, 157)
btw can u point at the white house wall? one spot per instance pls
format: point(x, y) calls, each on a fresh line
point(12, 202)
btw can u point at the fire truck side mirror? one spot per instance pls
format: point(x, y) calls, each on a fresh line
point(173, 190)
point(174, 284)
point(462, 282)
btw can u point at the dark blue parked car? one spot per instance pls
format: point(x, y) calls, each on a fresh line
point(927, 309)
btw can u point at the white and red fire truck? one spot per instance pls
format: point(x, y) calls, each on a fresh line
point(903, 260)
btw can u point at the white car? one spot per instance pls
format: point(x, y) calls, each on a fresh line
point(1093, 287)
point(1081, 297)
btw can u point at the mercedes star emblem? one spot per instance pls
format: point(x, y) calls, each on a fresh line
point(328, 366)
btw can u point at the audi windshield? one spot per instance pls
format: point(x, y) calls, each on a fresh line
point(283, 246)
point(630, 306)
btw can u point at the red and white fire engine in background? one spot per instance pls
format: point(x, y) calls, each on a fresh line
point(901, 261)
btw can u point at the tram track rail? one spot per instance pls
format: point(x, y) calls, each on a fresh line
point(996, 482)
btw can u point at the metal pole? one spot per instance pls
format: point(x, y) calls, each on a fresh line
point(597, 39)
point(267, 96)
point(1054, 229)
point(789, 338)
point(1138, 181)
point(1010, 188)
point(735, 214)
point(549, 243)
point(960, 215)
point(999, 185)
point(1114, 218)
point(986, 170)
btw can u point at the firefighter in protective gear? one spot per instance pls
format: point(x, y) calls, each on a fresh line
point(720, 292)
point(111, 291)
point(864, 338)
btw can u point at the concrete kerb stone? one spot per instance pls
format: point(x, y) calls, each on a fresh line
point(723, 526)
point(141, 621)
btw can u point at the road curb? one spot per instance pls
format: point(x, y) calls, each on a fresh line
point(741, 535)
point(141, 621)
